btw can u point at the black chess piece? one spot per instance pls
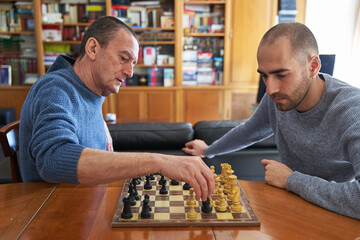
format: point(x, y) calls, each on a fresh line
point(174, 182)
point(131, 192)
point(206, 207)
point(163, 189)
point(147, 184)
point(152, 176)
point(126, 213)
point(135, 193)
point(145, 212)
point(186, 186)
point(162, 180)
point(138, 180)
point(148, 198)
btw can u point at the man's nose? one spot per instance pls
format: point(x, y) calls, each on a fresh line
point(129, 70)
point(272, 86)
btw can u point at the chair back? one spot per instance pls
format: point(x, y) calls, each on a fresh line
point(9, 139)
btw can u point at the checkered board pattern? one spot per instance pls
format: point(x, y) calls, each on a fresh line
point(170, 209)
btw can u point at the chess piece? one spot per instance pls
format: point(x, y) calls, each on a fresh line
point(174, 182)
point(126, 213)
point(135, 194)
point(227, 185)
point(206, 207)
point(212, 169)
point(236, 207)
point(145, 212)
point(162, 180)
point(148, 198)
point(186, 186)
point(217, 185)
point(192, 213)
point(147, 184)
point(152, 176)
point(163, 189)
point(131, 192)
point(217, 201)
point(232, 183)
point(221, 207)
point(191, 199)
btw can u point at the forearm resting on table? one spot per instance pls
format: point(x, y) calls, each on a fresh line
point(97, 166)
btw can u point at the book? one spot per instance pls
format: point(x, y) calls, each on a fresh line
point(168, 77)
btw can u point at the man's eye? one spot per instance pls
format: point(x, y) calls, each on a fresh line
point(281, 75)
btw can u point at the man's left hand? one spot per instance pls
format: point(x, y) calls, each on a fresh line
point(276, 173)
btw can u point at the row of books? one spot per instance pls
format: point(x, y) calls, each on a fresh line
point(152, 77)
point(142, 14)
point(16, 17)
point(159, 55)
point(23, 69)
point(65, 12)
point(201, 68)
point(204, 19)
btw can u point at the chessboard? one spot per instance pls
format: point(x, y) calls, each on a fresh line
point(171, 209)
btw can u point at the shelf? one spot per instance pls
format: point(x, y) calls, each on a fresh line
point(67, 24)
point(20, 32)
point(204, 2)
point(153, 29)
point(68, 42)
point(157, 42)
point(155, 66)
point(204, 34)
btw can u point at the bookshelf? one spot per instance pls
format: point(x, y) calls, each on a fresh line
point(17, 41)
point(245, 21)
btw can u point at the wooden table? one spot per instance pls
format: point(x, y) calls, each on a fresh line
point(19, 203)
point(85, 212)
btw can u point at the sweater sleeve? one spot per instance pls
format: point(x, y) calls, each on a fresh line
point(54, 143)
point(255, 129)
point(341, 198)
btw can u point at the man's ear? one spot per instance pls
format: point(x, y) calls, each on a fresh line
point(315, 65)
point(91, 48)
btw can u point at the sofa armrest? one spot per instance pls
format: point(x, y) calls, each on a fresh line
point(150, 136)
point(210, 131)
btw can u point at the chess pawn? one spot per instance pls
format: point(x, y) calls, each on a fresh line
point(232, 183)
point(236, 207)
point(192, 213)
point(221, 207)
point(147, 185)
point(217, 201)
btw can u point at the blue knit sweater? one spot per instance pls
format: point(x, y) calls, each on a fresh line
point(321, 146)
point(60, 117)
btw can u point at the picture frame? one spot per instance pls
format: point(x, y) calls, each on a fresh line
point(5, 75)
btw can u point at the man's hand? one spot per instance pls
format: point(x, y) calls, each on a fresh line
point(276, 173)
point(195, 147)
point(193, 171)
point(109, 142)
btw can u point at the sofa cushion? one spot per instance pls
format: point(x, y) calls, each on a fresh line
point(150, 136)
point(7, 115)
point(210, 131)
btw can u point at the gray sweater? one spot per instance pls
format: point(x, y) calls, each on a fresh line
point(321, 146)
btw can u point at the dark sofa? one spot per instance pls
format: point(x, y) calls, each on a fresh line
point(169, 138)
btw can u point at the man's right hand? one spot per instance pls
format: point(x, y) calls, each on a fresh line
point(195, 147)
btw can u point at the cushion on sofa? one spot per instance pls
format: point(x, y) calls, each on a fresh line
point(210, 131)
point(150, 136)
